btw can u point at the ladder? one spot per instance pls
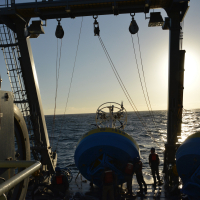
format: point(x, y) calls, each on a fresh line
point(11, 52)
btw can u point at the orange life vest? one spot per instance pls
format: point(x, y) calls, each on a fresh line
point(153, 157)
point(129, 168)
point(59, 179)
point(108, 176)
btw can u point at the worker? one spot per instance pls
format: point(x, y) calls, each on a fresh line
point(59, 181)
point(109, 181)
point(139, 175)
point(154, 163)
point(129, 175)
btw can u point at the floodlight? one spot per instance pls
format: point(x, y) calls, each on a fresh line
point(36, 27)
point(155, 19)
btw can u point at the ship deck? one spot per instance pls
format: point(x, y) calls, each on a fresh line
point(82, 186)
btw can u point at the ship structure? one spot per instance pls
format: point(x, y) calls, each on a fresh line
point(21, 110)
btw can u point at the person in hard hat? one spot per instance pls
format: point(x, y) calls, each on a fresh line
point(109, 182)
point(60, 181)
point(154, 163)
point(139, 175)
point(129, 175)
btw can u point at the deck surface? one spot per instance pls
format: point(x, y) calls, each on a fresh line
point(82, 186)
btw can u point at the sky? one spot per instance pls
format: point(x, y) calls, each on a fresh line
point(93, 81)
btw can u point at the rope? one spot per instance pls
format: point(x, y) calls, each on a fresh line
point(122, 85)
point(150, 110)
point(139, 73)
point(126, 92)
point(57, 78)
point(70, 81)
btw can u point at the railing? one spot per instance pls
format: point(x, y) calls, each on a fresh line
point(10, 183)
point(5, 3)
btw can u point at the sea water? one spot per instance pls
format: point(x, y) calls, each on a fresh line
point(66, 130)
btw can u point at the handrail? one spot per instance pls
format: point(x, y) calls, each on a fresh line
point(10, 183)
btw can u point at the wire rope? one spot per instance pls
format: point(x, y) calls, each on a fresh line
point(150, 110)
point(56, 92)
point(139, 72)
point(126, 92)
point(121, 84)
point(70, 81)
point(142, 66)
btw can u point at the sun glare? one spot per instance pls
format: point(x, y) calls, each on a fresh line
point(191, 70)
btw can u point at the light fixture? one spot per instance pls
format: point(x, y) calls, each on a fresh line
point(155, 19)
point(36, 28)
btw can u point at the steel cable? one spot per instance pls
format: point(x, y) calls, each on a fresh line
point(126, 92)
point(57, 78)
point(70, 82)
point(150, 110)
point(122, 85)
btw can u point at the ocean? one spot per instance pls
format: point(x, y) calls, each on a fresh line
point(67, 130)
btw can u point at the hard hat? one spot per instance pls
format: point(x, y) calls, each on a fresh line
point(153, 149)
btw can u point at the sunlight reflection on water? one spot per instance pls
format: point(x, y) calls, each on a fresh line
point(76, 125)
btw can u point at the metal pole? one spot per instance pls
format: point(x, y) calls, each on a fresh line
point(174, 67)
point(10, 183)
point(175, 87)
point(33, 93)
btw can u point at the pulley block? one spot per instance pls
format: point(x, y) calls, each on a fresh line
point(59, 31)
point(133, 28)
point(96, 27)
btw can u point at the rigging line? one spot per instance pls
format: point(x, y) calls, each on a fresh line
point(124, 88)
point(71, 79)
point(122, 85)
point(139, 73)
point(151, 111)
point(135, 110)
point(110, 61)
point(53, 124)
point(57, 78)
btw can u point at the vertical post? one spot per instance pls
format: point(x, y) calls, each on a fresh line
point(34, 98)
point(175, 88)
point(173, 81)
point(12, 3)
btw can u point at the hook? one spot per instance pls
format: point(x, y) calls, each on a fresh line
point(132, 15)
point(58, 20)
point(95, 17)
